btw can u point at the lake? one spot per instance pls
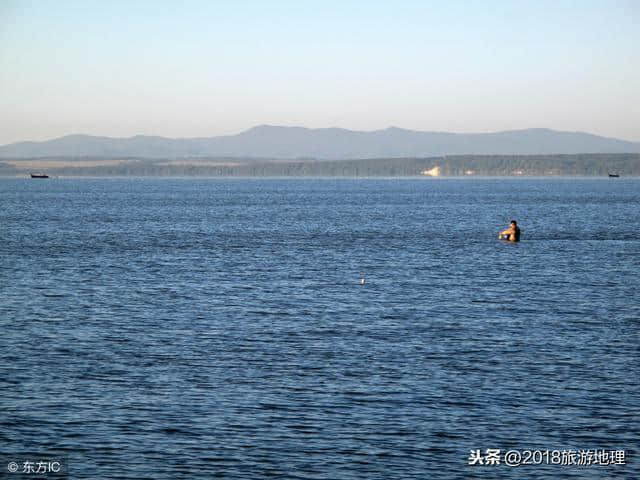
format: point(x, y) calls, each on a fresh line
point(321, 328)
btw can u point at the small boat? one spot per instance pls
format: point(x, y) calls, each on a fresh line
point(39, 175)
point(613, 175)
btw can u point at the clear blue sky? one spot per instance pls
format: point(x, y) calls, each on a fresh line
point(203, 68)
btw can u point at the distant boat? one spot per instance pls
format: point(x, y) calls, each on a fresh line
point(39, 175)
point(613, 175)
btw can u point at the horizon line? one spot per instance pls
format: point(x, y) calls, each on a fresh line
point(391, 127)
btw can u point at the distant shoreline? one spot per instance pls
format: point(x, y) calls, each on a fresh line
point(292, 178)
point(576, 165)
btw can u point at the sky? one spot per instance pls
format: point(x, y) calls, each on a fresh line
point(207, 68)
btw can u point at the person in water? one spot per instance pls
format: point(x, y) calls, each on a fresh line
point(512, 233)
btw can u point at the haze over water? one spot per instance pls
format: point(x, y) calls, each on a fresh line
point(175, 328)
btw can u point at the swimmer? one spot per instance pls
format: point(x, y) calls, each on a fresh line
point(512, 233)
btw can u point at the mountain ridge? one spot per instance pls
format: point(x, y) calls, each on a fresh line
point(290, 142)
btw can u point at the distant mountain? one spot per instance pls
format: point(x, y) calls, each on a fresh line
point(326, 143)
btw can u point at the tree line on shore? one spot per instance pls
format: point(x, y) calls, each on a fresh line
point(458, 165)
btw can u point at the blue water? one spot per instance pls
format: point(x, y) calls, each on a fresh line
point(178, 329)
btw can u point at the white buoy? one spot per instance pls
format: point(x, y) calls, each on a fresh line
point(362, 281)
